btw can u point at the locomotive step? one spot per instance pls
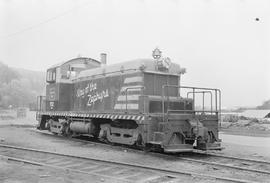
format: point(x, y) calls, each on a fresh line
point(155, 142)
point(178, 148)
point(210, 146)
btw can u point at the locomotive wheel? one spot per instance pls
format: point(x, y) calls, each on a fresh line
point(67, 132)
point(158, 148)
point(104, 137)
point(140, 143)
point(189, 141)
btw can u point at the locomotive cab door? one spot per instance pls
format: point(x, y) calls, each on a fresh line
point(51, 90)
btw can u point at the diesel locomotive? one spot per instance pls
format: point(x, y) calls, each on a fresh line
point(139, 102)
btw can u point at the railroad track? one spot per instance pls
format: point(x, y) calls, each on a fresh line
point(123, 172)
point(251, 170)
point(251, 165)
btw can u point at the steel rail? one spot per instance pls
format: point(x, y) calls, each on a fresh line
point(133, 165)
point(231, 157)
point(59, 167)
point(190, 159)
point(228, 166)
point(183, 158)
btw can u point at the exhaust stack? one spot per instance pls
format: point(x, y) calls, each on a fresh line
point(103, 58)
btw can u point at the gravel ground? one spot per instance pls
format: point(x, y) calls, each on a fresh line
point(9, 117)
point(19, 132)
point(244, 151)
point(14, 172)
point(247, 127)
point(28, 138)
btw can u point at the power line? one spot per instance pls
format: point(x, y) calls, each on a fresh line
point(44, 22)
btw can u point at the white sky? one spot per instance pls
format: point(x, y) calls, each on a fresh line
point(218, 41)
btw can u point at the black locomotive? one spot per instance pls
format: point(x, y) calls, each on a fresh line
point(140, 102)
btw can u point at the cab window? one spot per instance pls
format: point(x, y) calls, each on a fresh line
point(51, 76)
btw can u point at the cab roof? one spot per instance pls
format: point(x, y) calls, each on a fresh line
point(75, 60)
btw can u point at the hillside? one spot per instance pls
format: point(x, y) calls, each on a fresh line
point(7, 74)
point(19, 87)
point(36, 79)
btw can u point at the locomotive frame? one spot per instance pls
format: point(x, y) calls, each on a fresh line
point(133, 103)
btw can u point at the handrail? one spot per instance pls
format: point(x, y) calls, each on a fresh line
point(203, 92)
point(217, 93)
point(163, 103)
point(192, 111)
point(217, 99)
point(130, 88)
point(39, 101)
point(199, 88)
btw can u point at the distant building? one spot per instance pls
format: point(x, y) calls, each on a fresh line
point(259, 114)
point(229, 116)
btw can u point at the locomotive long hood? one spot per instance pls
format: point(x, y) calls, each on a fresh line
point(145, 65)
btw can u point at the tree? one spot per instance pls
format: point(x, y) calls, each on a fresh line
point(19, 87)
point(7, 74)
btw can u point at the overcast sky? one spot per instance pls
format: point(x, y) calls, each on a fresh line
point(220, 42)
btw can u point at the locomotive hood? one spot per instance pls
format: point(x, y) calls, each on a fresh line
point(143, 65)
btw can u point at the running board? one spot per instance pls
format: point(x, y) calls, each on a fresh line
point(178, 148)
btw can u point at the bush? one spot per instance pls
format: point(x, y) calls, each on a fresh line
point(255, 120)
point(243, 118)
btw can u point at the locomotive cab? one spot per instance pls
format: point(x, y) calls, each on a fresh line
point(59, 82)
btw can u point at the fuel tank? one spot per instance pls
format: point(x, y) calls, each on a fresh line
point(82, 128)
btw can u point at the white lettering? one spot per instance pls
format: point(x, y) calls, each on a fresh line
point(98, 96)
point(89, 88)
point(92, 94)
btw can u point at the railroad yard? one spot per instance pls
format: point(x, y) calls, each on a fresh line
point(28, 155)
point(134, 91)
